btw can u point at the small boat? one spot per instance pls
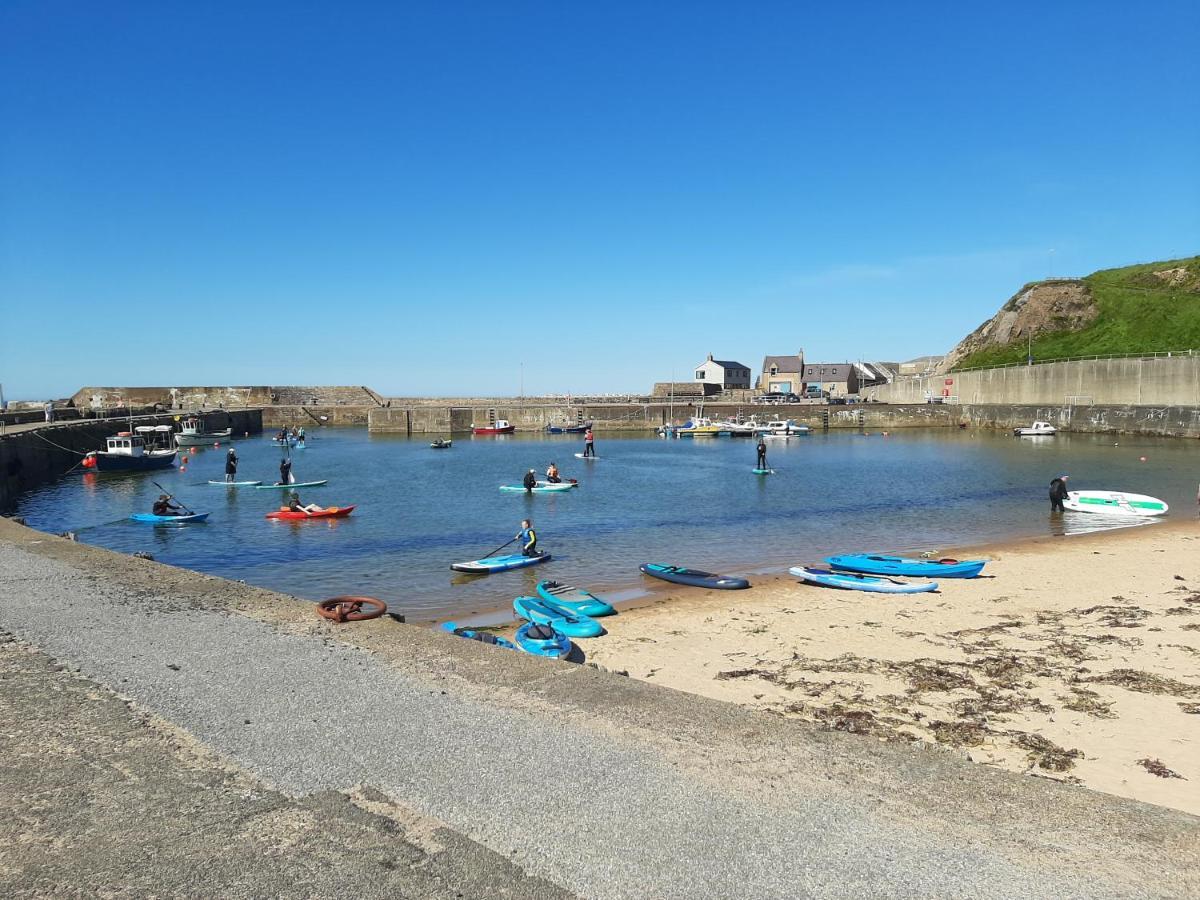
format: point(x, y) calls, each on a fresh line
point(567, 429)
point(784, 428)
point(152, 519)
point(541, 640)
point(439, 444)
point(1037, 429)
point(500, 426)
point(1115, 503)
point(694, 577)
point(569, 623)
point(737, 429)
point(237, 483)
point(484, 637)
point(857, 582)
point(145, 448)
point(330, 512)
point(192, 433)
point(490, 564)
point(543, 487)
point(287, 487)
point(700, 427)
point(875, 564)
point(573, 599)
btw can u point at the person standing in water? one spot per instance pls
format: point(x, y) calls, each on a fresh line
point(231, 461)
point(589, 445)
point(1058, 493)
point(528, 538)
point(530, 481)
point(762, 454)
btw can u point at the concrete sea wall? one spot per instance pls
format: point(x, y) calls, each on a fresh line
point(33, 457)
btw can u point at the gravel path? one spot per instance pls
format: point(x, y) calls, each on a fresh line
point(600, 816)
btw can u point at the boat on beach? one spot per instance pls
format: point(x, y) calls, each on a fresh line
point(1037, 429)
point(192, 433)
point(145, 448)
point(500, 426)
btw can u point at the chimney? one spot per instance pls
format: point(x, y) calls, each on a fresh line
point(710, 357)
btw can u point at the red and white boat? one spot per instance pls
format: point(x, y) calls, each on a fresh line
point(500, 426)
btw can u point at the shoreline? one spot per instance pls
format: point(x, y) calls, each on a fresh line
point(1070, 659)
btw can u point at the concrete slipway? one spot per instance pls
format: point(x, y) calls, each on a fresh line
point(173, 734)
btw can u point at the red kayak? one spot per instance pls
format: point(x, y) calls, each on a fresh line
point(330, 512)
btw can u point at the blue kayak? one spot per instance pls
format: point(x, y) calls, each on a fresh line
point(491, 564)
point(694, 577)
point(874, 564)
point(569, 623)
point(573, 599)
point(856, 582)
point(152, 519)
point(484, 637)
point(541, 640)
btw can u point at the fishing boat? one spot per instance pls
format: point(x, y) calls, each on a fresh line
point(700, 427)
point(500, 426)
point(1037, 429)
point(146, 447)
point(567, 429)
point(192, 433)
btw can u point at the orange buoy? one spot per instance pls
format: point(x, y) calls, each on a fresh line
point(351, 609)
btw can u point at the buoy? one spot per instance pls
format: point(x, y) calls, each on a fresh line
point(192, 451)
point(217, 444)
point(1142, 459)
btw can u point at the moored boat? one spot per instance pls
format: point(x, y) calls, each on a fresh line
point(1037, 429)
point(192, 433)
point(143, 449)
point(700, 427)
point(500, 426)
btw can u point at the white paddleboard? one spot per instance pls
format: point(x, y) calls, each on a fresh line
point(581, 456)
point(1114, 503)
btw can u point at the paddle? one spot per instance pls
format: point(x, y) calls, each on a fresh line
point(171, 496)
point(498, 549)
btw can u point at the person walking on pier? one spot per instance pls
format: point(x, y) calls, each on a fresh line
point(762, 454)
point(1058, 493)
point(589, 445)
point(231, 461)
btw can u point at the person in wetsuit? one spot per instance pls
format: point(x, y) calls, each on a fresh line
point(528, 539)
point(231, 461)
point(164, 507)
point(1058, 493)
point(530, 481)
point(589, 446)
point(762, 454)
point(285, 472)
point(552, 475)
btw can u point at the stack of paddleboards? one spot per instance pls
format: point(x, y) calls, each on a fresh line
point(882, 574)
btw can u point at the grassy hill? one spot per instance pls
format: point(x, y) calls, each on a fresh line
point(1149, 307)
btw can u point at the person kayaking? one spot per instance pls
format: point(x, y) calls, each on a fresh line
point(231, 463)
point(164, 507)
point(552, 475)
point(294, 505)
point(530, 481)
point(762, 454)
point(1058, 493)
point(285, 472)
point(528, 539)
point(589, 445)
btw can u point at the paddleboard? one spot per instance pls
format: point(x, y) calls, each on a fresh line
point(541, 640)
point(484, 637)
point(694, 577)
point(543, 487)
point(237, 483)
point(152, 519)
point(1116, 503)
point(333, 512)
point(288, 487)
point(856, 582)
point(874, 564)
point(569, 623)
point(490, 564)
point(581, 456)
point(764, 471)
point(576, 600)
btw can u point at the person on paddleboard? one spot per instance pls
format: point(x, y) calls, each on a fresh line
point(231, 462)
point(164, 507)
point(552, 475)
point(285, 472)
point(528, 538)
point(762, 454)
point(589, 446)
point(1058, 493)
point(530, 481)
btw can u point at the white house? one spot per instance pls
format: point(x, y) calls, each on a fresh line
point(725, 373)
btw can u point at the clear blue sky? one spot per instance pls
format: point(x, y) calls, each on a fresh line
point(424, 197)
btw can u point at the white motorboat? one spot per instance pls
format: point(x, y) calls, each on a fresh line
point(784, 428)
point(192, 433)
point(1037, 429)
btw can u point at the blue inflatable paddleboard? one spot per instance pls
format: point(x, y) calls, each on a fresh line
point(856, 582)
point(569, 623)
point(875, 564)
point(573, 599)
point(541, 640)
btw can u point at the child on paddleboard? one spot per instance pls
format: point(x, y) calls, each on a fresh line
point(528, 538)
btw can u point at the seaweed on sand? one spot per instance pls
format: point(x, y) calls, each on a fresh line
point(1145, 683)
point(1044, 753)
point(1085, 701)
point(1159, 768)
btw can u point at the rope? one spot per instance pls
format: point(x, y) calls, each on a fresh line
point(38, 434)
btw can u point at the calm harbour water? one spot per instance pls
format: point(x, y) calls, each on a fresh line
point(691, 502)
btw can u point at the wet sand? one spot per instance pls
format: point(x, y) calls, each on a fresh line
point(1074, 658)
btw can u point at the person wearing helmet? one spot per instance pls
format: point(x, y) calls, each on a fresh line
point(530, 481)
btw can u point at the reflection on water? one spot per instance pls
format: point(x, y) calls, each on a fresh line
point(693, 502)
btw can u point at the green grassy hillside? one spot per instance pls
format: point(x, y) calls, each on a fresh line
point(1139, 311)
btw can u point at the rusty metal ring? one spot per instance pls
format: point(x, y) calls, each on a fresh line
point(350, 609)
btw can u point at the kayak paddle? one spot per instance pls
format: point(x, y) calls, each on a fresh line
point(171, 496)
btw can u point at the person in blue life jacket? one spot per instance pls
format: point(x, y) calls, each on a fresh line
point(528, 538)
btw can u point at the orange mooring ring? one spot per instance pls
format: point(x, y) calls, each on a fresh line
point(351, 609)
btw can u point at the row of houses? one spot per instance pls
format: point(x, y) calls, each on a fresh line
point(794, 374)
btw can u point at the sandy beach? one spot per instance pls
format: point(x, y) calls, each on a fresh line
point(1073, 658)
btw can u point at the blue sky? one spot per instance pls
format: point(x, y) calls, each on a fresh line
point(426, 198)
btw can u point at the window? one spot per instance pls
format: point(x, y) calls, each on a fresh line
point(774, 370)
point(810, 370)
point(700, 376)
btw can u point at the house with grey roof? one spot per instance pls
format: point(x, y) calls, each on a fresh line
point(725, 374)
point(782, 374)
point(833, 379)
